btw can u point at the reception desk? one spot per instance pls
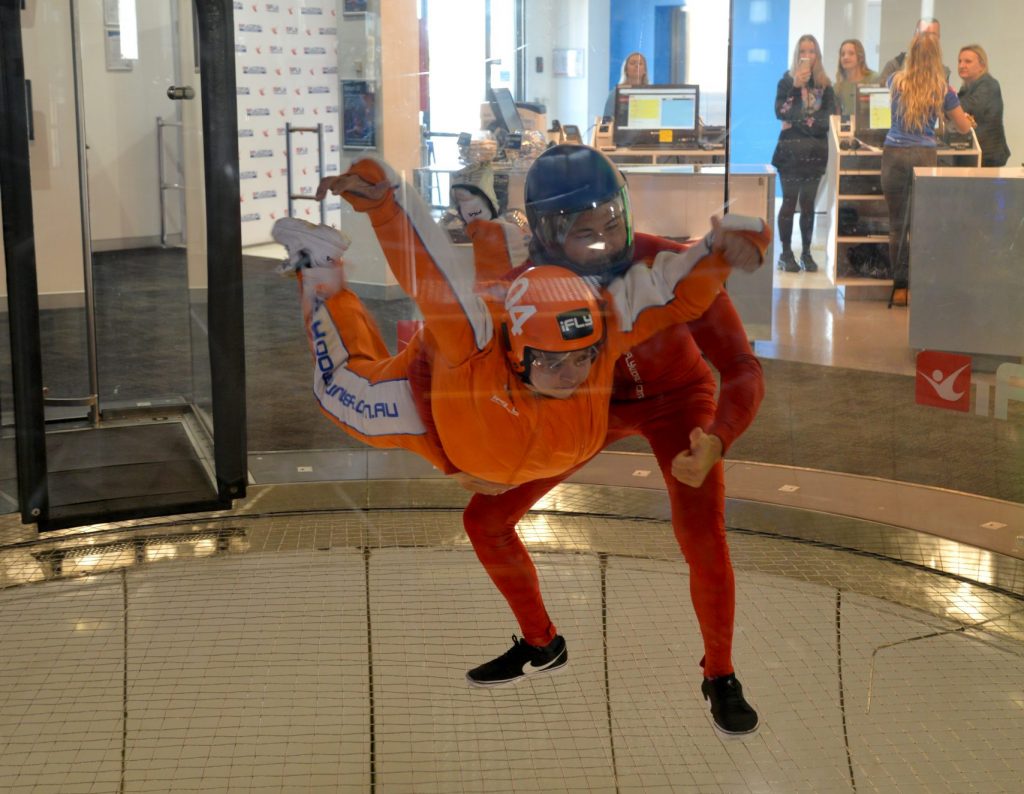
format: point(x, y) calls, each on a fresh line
point(967, 261)
point(691, 155)
point(678, 201)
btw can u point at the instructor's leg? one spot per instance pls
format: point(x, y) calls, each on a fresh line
point(490, 523)
point(698, 520)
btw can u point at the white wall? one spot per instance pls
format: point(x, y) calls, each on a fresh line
point(568, 24)
point(707, 55)
point(121, 110)
point(599, 38)
point(120, 122)
point(805, 16)
point(46, 37)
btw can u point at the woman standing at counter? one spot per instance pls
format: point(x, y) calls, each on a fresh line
point(919, 94)
point(852, 71)
point(804, 101)
point(982, 101)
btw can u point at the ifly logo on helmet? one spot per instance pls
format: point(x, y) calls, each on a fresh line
point(576, 324)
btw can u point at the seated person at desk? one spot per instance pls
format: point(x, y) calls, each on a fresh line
point(919, 95)
point(851, 72)
point(925, 25)
point(982, 101)
point(634, 72)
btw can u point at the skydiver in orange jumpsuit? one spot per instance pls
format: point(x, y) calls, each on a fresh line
point(521, 374)
point(663, 388)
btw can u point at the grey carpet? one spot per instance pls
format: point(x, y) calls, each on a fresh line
point(813, 416)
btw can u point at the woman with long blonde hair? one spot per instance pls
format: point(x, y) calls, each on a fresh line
point(804, 101)
point(920, 94)
point(634, 72)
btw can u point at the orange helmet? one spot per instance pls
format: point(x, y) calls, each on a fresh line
point(551, 309)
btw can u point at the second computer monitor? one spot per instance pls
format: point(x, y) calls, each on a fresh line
point(656, 115)
point(873, 115)
point(506, 114)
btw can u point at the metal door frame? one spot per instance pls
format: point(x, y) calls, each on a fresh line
point(215, 29)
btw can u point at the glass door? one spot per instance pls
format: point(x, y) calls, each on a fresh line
point(124, 303)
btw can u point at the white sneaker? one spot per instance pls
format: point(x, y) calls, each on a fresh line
point(308, 244)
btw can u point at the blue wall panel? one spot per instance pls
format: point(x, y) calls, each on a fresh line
point(632, 28)
point(662, 64)
point(760, 56)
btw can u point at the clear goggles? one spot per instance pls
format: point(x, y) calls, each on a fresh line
point(554, 362)
point(554, 229)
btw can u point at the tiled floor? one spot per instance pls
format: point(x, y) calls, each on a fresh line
point(326, 652)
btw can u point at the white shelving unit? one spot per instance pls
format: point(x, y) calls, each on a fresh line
point(857, 210)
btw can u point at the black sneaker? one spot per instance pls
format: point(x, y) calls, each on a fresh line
point(730, 712)
point(788, 263)
point(807, 262)
point(520, 661)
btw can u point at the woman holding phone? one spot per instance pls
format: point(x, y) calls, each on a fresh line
point(804, 101)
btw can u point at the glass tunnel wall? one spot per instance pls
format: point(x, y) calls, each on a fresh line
point(841, 397)
point(321, 84)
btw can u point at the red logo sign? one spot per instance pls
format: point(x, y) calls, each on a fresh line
point(943, 380)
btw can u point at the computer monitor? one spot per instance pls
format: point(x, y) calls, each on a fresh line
point(656, 115)
point(506, 114)
point(873, 115)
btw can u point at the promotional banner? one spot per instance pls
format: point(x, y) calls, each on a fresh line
point(286, 61)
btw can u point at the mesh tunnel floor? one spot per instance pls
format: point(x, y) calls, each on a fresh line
point(327, 652)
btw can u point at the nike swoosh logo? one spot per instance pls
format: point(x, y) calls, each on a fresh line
point(944, 387)
point(530, 667)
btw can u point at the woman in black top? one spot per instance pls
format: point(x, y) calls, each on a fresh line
point(634, 72)
point(803, 102)
point(982, 100)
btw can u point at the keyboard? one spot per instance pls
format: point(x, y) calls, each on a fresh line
point(956, 140)
point(670, 147)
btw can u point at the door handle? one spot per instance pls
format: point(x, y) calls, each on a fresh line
point(28, 110)
point(179, 92)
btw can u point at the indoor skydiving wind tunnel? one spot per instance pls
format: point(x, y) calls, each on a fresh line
point(207, 585)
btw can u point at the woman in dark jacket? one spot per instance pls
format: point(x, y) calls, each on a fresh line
point(803, 102)
point(982, 100)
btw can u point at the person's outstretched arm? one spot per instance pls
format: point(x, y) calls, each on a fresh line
point(426, 265)
point(680, 286)
point(955, 113)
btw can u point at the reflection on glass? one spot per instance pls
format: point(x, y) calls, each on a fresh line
point(965, 561)
point(537, 529)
